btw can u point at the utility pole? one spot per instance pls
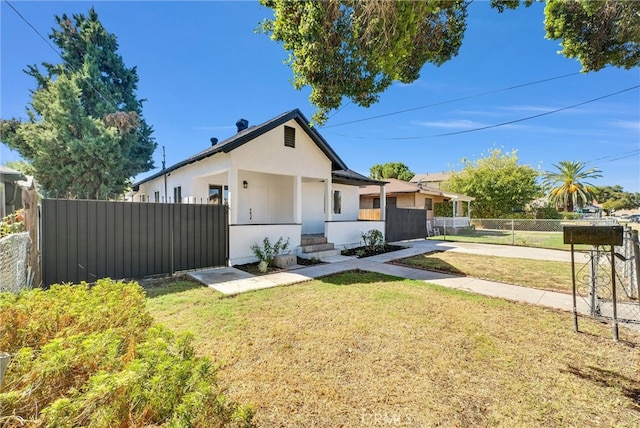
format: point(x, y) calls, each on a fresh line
point(165, 175)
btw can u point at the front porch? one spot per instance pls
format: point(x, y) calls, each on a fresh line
point(337, 235)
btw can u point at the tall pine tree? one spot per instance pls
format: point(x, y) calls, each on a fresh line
point(85, 135)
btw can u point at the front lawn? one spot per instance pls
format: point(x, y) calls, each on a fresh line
point(543, 274)
point(552, 240)
point(364, 349)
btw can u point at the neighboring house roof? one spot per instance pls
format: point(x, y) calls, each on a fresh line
point(254, 132)
point(398, 186)
point(431, 177)
point(346, 176)
point(8, 174)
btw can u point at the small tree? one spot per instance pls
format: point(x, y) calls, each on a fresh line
point(391, 170)
point(613, 198)
point(500, 185)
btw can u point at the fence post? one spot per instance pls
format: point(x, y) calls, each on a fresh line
point(30, 204)
point(171, 238)
point(635, 253)
point(513, 233)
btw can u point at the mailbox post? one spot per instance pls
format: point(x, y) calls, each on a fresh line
point(594, 235)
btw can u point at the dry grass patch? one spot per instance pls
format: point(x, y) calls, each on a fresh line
point(364, 349)
point(543, 274)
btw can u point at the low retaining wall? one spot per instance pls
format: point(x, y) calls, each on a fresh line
point(13, 262)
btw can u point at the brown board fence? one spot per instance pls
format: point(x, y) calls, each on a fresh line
point(405, 223)
point(85, 240)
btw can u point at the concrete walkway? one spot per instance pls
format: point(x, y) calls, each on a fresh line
point(231, 281)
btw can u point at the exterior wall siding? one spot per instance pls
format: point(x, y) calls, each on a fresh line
point(348, 234)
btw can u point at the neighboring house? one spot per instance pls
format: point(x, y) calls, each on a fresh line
point(279, 179)
point(10, 193)
point(431, 179)
point(402, 194)
point(590, 210)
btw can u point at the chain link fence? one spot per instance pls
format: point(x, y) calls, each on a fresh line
point(535, 225)
point(13, 262)
point(594, 276)
point(543, 233)
point(595, 280)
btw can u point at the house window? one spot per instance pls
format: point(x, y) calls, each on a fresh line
point(218, 194)
point(391, 202)
point(143, 198)
point(177, 194)
point(156, 196)
point(337, 202)
point(289, 137)
point(428, 203)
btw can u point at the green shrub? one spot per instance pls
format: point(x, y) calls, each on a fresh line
point(267, 252)
point(91, 357)
point(571, 216)
point(373, 239)
point(548, 211)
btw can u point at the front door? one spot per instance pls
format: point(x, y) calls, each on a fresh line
point(313, 207)
point(258, 204)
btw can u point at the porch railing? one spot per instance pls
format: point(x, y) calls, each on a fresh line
point(451, 222)
point(369, 214)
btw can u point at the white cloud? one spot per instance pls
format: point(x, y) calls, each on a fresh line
point(486, 113)
point(451, 124)
point(528, 108)
point(633, 125)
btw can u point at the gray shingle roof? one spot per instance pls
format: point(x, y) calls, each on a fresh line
point(350, 177)
point(253, 132)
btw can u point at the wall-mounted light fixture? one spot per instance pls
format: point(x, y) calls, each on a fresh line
point(245, 184)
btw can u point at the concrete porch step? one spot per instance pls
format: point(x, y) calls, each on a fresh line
point(319, 254)
point(311, 248)
point(313, 240)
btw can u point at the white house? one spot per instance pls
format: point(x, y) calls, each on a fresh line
point(279, 179)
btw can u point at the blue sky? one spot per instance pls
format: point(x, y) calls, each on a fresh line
point(202, 67)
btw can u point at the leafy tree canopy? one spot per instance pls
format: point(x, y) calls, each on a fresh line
point(596, 32)
point(391, 170)
point(499, 183)
point(356, 49)
point(24, 167)
point(85, 135)
point(613, 198)
point(568, 185)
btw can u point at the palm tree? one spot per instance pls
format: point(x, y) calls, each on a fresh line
point(568, 185)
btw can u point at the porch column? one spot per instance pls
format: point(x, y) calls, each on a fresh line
point(232, 181)
point(469, 209)
point(297, 199)
point(383, 203)
point(328, 200)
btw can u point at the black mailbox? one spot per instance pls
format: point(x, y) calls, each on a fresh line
point(593, 235)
